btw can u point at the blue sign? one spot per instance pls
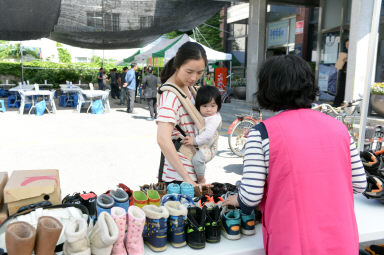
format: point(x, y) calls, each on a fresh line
point(278, 33)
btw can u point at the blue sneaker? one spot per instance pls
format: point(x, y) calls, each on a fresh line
point(231, 223)
point(173, 188)
point(187, 189)
point(104, 204)
point(155, 229)
point(176, 222)
point(185, 200)
point(248, 224)
point(169, 197)
point(121, 198)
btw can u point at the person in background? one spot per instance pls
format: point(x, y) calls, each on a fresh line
point(100, 78)
point(106, 81)
point(123, 91)
point(130, 84)
point(150, 92)
point(113, 77)
point(208, 80)
point(342, 77)
point(301, 166)
point(139, 78)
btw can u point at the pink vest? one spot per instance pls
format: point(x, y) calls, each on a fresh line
point(308, 205)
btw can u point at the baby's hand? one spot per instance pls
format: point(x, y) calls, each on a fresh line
point(188, 140)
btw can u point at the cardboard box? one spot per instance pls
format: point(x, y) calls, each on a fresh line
point(3, 181)
point(3, 213)
point(27, 187)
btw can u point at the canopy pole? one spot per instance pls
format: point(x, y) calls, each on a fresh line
point(21, 62)
point(371, 63)
point(230, 74)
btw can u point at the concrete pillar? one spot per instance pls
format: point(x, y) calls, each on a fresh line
point(256, 43)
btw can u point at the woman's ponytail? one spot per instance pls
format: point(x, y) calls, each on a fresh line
point(168, 70)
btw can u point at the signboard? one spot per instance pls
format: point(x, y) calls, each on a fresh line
point(278, 33)
point(299, 27)
point(221, 78)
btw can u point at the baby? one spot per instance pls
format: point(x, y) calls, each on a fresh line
point(208, 102)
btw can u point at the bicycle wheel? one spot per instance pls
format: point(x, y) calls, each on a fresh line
point(238, 137)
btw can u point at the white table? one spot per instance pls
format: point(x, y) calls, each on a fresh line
point(7, 85)
point(369, 216)
point(22, 87)
point(69, 88)
point(32, 93)
point(94, 94)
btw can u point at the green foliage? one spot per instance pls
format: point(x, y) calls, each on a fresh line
point(64, 55)
point(97, 60)
point(10, 51)
point(378, 88)
point(210, 30)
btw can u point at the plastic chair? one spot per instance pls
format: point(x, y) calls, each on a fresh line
point(12, 101)
point(91, 86)
point(3, 92)
point(25, 100)
point(52, 101)
point(81, 101)
point(105, 99)
point(2, 105)
point(36, 86)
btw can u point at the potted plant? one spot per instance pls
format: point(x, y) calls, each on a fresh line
point(377, 98)
point(239, 88)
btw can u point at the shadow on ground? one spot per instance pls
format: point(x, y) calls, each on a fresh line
point(234, 168)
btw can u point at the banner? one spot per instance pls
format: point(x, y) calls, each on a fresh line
point(221, 78)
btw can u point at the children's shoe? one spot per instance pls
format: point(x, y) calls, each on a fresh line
point(176, 222)
point(231, 223)
point(230, 187)
point(140, 199)
point(173, 188)
point(213, 225)
point(155, 229)
point(375, 188)
point(196, 227)
point(121, 198)
point(153, 197)
point(104, 203)
point(218, 189)
point(161, 188)
point(217, 200)
point(202, 191)
point(103, 235)
point(76, 238)
point(119, 215)
point(248, 224)
point(187, 189)
point(134, 241)
point(145, 188)
point(128, 190)
point(86, 199)
point(204, 201)
point(169, 197)
point(186, 200)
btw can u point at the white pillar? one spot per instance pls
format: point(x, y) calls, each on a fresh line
point(256, 43)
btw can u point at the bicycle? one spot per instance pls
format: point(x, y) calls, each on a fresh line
point(239, 129)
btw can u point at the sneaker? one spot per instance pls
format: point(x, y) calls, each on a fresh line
point(370, 162)
point(218, 189)
point(374, 188)
point(213, 225)
point(104, 203)
point(187, 189)
point(121, 198)
point(176, 222)
point(173, 188)
point(217, 200)
point(161, 188)
point(185, 200)
point(231, 222)
point(202, 191)
point(196, 227)
point(140, 199)
point(153, 197)
point(230, 187)
point(155, 229)
point(150, 118)
point(145, 188)
point(248, 225)
point(203, 201)
point(86, 199)
point(128, 190)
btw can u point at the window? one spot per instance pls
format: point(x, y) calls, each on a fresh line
point(104, 21)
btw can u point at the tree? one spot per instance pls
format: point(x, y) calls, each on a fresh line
point(210, 33)
point(64, 55)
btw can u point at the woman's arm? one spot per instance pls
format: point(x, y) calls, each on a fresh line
point(164, 134)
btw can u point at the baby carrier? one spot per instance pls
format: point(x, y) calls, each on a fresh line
point(187, 150)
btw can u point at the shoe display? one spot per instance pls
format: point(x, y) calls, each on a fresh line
point(186, 200)
point(121, 198)
point(248, 225)
point(196, 227)
point(187, 189)
point(119, 215)
point(86, 199)
point(20, 238)
point(47, 234)
point(161, 188)
point(140, 199)
point(213, 225)
point(136, 221)
point(155, 229)
point(176, 223)
point(173, 188)
point(76, 238)
point(153, 197)
point(231, 222)
point(104, 204)
point(103, 235)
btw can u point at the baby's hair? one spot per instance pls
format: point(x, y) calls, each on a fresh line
point(205, 95)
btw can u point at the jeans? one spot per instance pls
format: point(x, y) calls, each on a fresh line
point(101, 86)
point(152, 107)
point(123, 94)
point(131, 100)
point(115, 91)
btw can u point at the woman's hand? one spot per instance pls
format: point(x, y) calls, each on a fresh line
point(188, 140)
point(232, 200)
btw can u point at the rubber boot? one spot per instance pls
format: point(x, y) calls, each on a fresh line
point(47, 234)
point(120, 217)
point(103, 235)
point(134, 241)
point(20, 238)
point(76, 236)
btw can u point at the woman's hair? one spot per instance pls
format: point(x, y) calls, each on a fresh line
point(286, 82)
point(187, 51)
point(205, 94)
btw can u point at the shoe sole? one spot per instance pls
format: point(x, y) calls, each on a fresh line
point(153, 248)
point(248, 232)
point(179, 245)
point(231, 237)
point(196, 246)
point(213, 241)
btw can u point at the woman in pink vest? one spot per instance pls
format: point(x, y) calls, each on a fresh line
point(301, 166)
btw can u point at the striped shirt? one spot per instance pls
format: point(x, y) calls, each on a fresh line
point(256, 162)
point(171, 110)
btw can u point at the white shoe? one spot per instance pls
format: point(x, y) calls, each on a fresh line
point(103, 235)
point(77, 242)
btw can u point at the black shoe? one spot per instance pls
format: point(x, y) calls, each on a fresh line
point(213, 225)
point(195, 227)
point(86, 199)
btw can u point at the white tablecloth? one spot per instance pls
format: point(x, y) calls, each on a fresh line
point(68, 88)
point(23, 87)
point(7, 85)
